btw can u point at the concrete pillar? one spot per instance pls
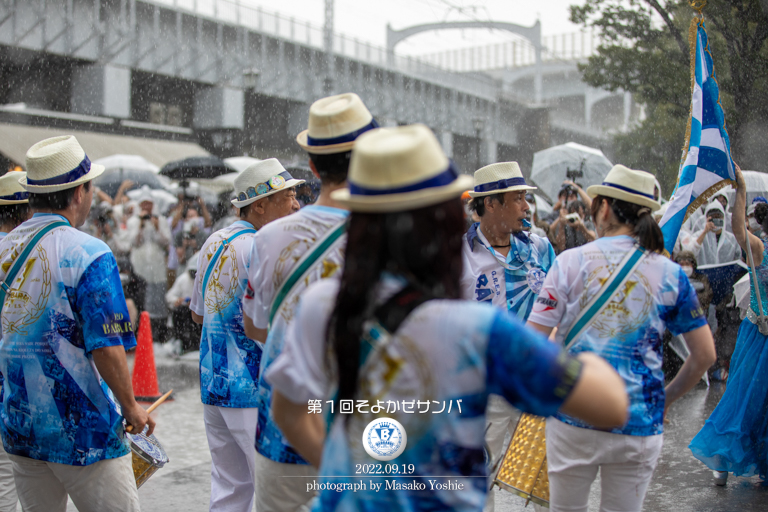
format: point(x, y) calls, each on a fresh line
point(446, 140)
point(219, 107)
point(491, 151)
point(101, 90)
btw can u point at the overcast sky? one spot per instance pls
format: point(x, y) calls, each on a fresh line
point(367, 19)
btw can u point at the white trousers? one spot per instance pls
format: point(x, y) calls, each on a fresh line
point(231, 436)
point(500, 418)
point(104, 486)
point(282, 487)
point(574, 455)
point(8, 496)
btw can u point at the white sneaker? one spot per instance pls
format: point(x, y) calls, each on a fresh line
point(721, 477)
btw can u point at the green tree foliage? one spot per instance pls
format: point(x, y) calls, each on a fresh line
point(645, 51)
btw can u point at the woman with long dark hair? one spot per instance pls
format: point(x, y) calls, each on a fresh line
point(735, 436)
point(616, 297)
point(402, 368)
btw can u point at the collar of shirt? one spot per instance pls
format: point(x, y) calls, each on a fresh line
point(243, 223)
point(329, 209)
point(51, 215)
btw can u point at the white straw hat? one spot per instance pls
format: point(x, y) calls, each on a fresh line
point(334, 124)
point(11, 191)
point(260, 180)
point(57, 164)
point(499, 178)
point(628, 185)
point(399, 169)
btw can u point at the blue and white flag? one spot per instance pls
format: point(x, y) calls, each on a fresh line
point(707, 166)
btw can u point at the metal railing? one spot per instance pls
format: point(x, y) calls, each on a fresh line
point(513, 54)
point(276, 25)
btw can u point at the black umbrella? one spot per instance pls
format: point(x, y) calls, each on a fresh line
point(201, 167)
point(110, 181)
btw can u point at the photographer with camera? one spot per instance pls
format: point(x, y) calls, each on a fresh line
point(190, 238)
point(187, 199)
point(149, 237)
point(714, 244)
point(572, 228)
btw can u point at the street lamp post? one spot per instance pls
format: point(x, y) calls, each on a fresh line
point(479, 124)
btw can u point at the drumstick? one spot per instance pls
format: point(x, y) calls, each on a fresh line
point(129, 428)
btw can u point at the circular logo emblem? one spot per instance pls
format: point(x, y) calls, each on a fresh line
point(276, 182)
point(384, 439)
point(536, 280)
point(262, 188)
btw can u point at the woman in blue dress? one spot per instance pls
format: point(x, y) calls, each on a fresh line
point(734, 438)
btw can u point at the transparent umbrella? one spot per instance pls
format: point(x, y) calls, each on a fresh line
point(587, 166)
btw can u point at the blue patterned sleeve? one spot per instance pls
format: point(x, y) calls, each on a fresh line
point(532, 373)
point(101, 307)
point(686, 315)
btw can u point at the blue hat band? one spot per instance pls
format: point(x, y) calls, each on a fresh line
point(501, 184)
point(349, 137)
point(274, 183)
point(68, 177)
point(626, 189)
point(18, 196)
point(444, 178)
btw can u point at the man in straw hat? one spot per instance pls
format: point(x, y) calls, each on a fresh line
point(503, 264)
point(433, 355)
point(616, 297)
point(65, 329)
point(14, 209)
point(229, 360)
point(288, 255)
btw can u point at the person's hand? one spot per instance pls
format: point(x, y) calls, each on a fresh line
point(137, 416)
point(740, 183)
point(710, 226)
point(558, 205)
point(572, 183)
point(156, 223)
point(178, 302)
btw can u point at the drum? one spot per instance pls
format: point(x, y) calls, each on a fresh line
point(523, 470)
point(148, 456)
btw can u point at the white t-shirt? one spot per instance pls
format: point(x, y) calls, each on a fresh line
point(628, 331)
point(276, 249)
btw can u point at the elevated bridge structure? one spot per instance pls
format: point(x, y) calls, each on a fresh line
point(239, 79)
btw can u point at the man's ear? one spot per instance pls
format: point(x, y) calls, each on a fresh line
point(259, 206)
point(488, 202)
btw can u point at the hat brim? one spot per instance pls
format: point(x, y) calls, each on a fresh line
point(5, 202)
point(288, 184)
point(602, 190)
point(330, 149)
point(404, 201)
point(501, 191)
point(95, 172)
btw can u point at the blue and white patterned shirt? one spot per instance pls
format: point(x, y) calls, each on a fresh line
point(66, 302)
point(628, 332)
point(512, 282)
point(449, 355)
point(276, 249)
point(229, 360)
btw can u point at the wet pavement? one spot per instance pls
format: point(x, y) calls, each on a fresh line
point(681, 483)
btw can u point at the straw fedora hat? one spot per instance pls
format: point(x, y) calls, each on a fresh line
point(398, 169)
point(334, 124)
point(627, 185)
point(57, 164)
point(499, 178)
point(11, 191)
point(260, 180)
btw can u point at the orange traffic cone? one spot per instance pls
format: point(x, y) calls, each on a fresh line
point(144, 380)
